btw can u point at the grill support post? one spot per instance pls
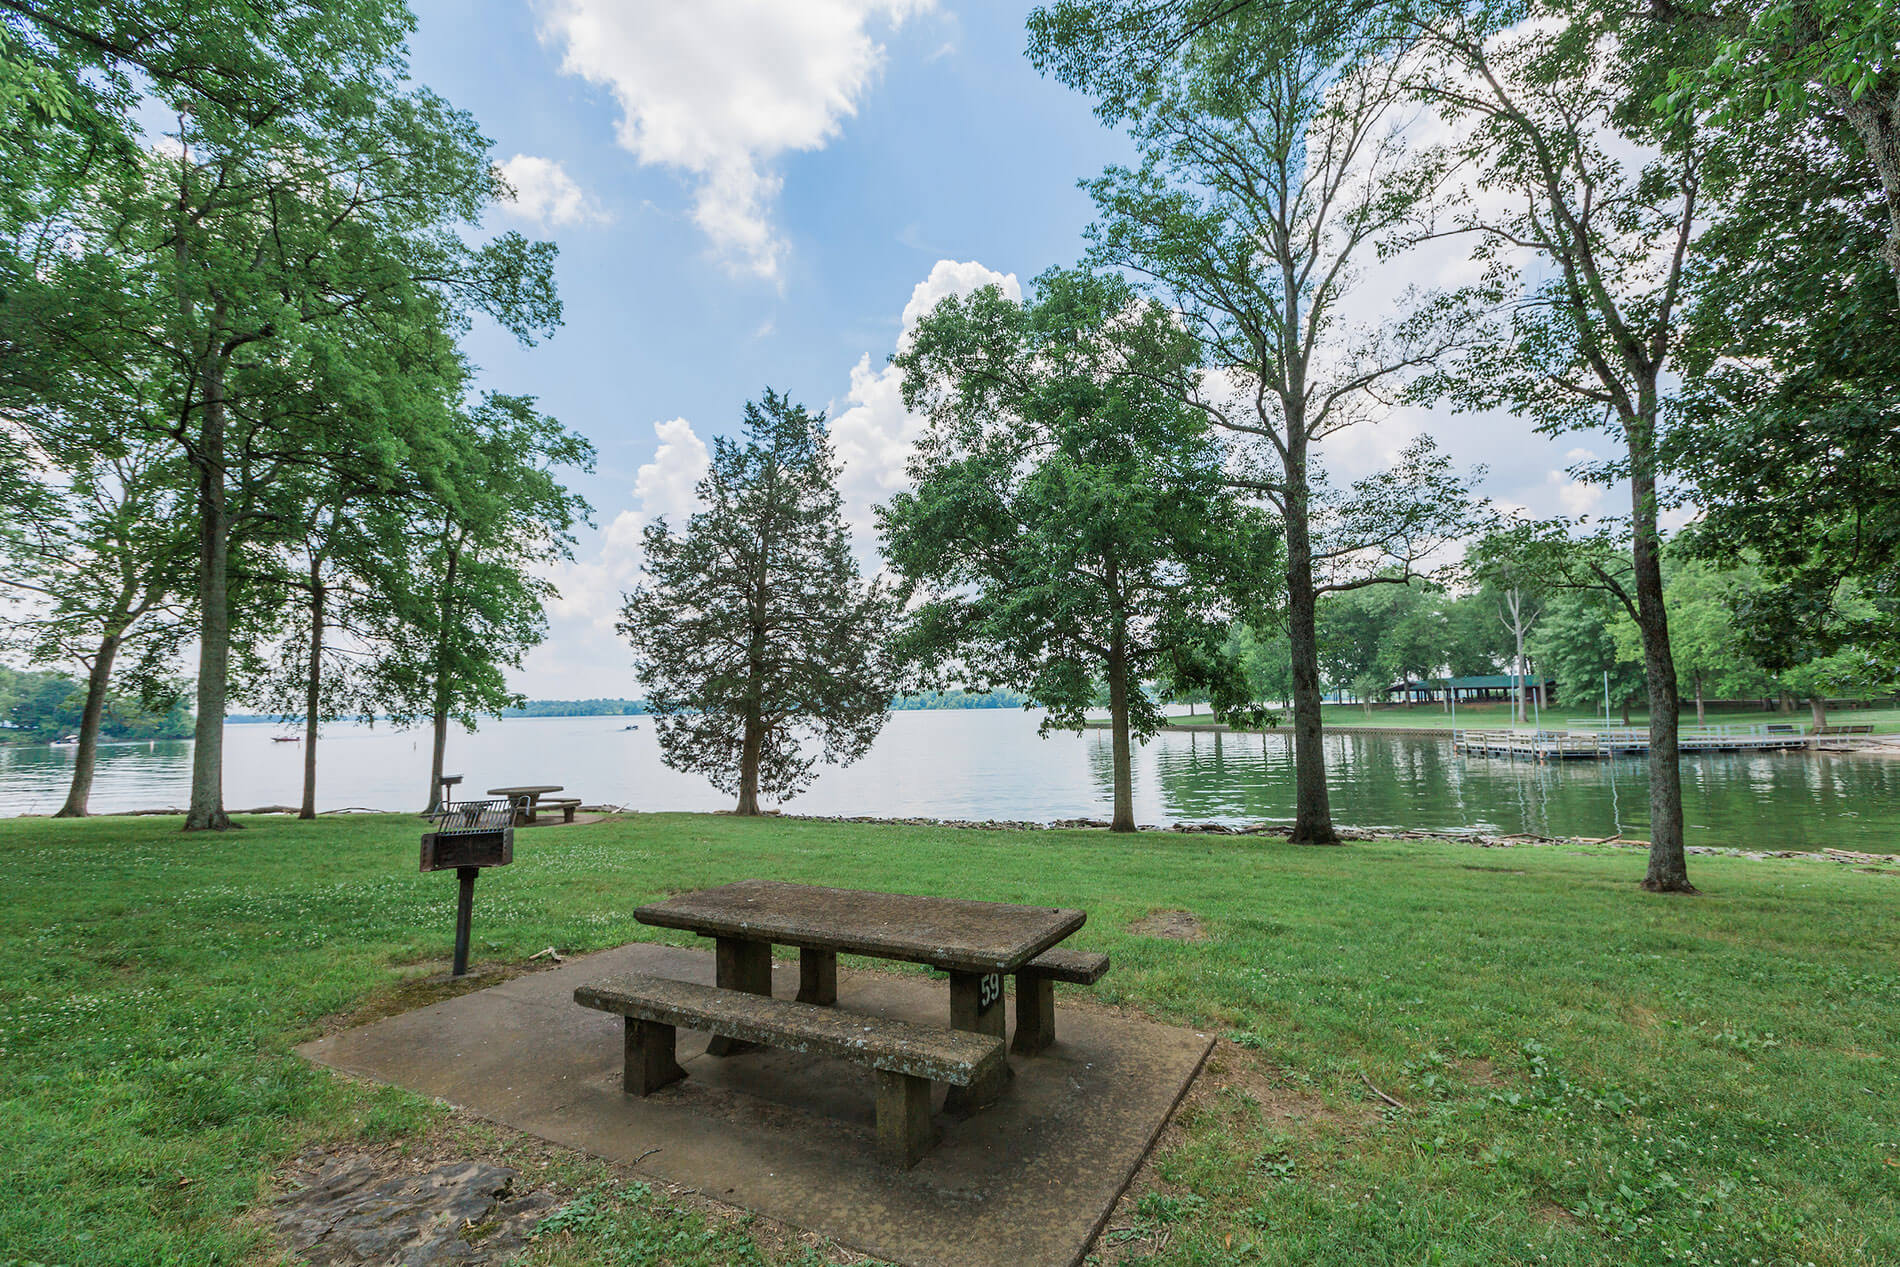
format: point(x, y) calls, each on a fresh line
point(464, 910)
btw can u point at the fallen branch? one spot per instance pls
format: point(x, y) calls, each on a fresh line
point(1382, 1095)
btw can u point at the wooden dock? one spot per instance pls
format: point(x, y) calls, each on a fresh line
point(1566, 745)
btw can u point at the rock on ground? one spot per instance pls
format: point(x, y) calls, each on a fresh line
point(354, 1210)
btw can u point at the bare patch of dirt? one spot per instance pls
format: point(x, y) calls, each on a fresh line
point(427, 981)
point(1174, 925)
point(1479, 1071)
point(1235, 1077)
point(1552, 1213)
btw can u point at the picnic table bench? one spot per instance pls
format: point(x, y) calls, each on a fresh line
point(907, 1058)
point(528, 797)
point(976, 943)
point(567, 806)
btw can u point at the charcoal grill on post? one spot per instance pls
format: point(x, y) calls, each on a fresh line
point(468, 836)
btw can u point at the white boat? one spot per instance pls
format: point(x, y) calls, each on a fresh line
point(65, 741)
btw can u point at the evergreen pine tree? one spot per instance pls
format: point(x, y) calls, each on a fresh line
point(759, 646)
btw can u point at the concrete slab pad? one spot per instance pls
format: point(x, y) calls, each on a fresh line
point(1028, 1180)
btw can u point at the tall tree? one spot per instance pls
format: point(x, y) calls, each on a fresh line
point(302, 217)
point(99, 577)
point(328, 567)
point(1273, 169)
point(754, 636)
point(1789, 431)
point(1710, 651)
point(1591, 203)
point(1265, 661)
point(1069, 521)
point(477, 536)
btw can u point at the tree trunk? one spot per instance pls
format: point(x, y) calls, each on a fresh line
point(752, 744)
point(1817, 708)
point(750, 748)
point(1701, 708)
point(439, 719)
point(1124, 816)
point(85, 757)
point(1875, 117)
point(1312, 811)
point(1786, 701)
point(206, 812)
point(1668, 864)
point(312, 694)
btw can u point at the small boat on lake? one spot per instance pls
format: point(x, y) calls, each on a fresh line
point(286, 738)
point(65, 741)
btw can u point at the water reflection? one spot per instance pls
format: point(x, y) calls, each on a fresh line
point(993, 765)
point(1756, 800)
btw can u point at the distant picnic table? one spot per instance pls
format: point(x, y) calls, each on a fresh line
point(526, 797)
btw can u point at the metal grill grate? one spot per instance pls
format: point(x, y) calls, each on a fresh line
point(469, 817)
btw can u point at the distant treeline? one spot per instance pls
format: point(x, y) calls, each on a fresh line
point(637, 708)
point(958, 699)
point(39, 707)
point(578, 708)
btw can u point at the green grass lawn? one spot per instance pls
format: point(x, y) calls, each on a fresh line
point(1590, 1074)
point(1497, 715)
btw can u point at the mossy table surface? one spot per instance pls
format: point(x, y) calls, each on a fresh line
point(954, 934)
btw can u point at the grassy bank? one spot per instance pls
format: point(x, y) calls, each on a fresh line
point(1497, 715)
point(1589, 1074)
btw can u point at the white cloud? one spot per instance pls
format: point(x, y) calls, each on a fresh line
point(665, 486)
point(1575, 497)
point(590, 590)
point(719, 89)
point(578, 659)
point(953, 277)
point(546, 195)
point(874, 433)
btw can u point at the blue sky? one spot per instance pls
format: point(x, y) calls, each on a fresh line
point(754, 192)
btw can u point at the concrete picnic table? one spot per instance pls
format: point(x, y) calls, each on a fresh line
point(977, 943)
point(530, 794)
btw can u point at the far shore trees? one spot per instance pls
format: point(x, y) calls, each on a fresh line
point(1069, 521)
point(753, 633)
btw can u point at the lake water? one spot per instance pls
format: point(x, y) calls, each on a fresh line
point(991, 764)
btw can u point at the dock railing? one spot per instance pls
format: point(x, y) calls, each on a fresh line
point(1598, 740)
